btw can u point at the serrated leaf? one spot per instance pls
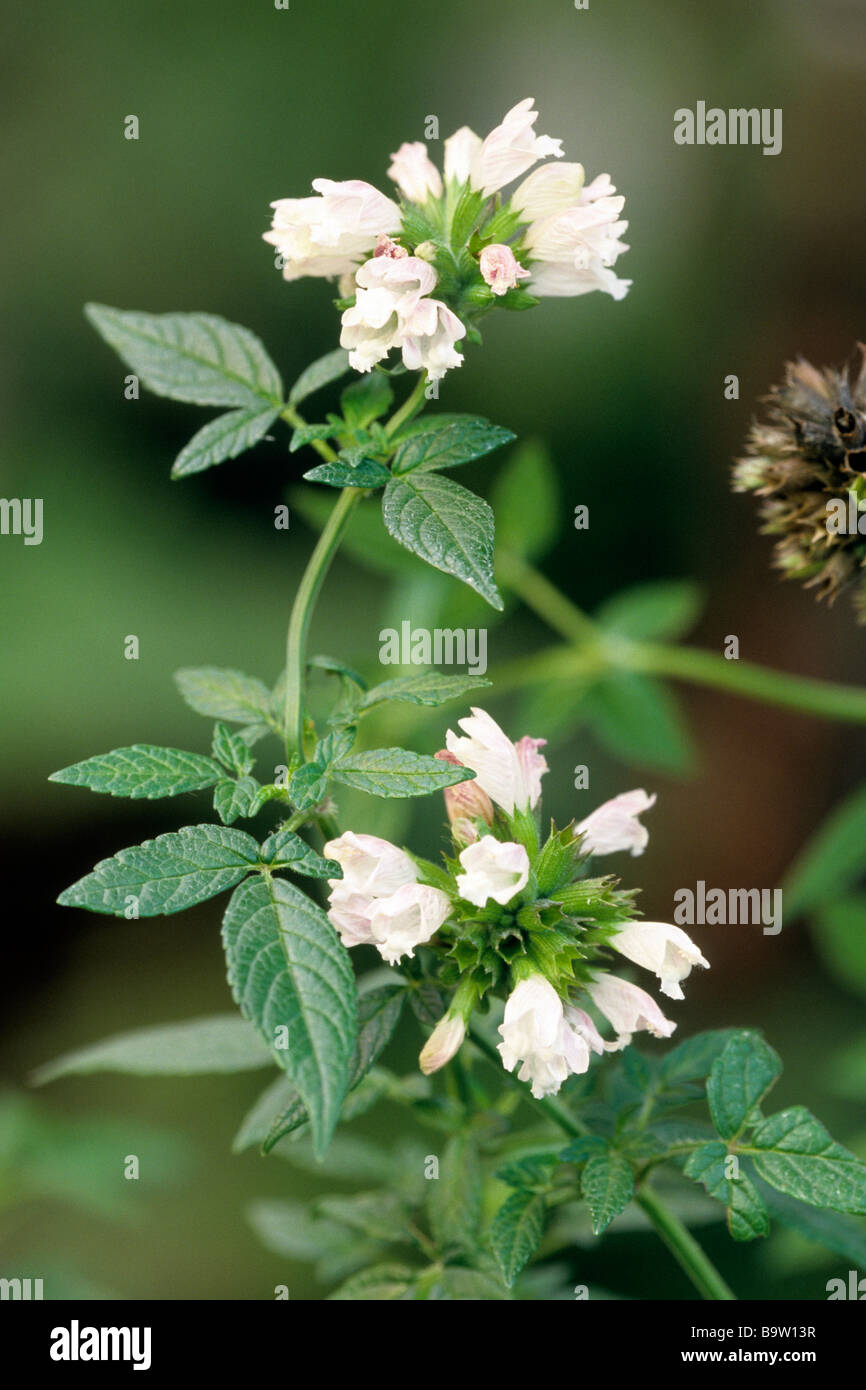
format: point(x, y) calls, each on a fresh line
point(746, 1214)
point(142, 770)
point(382, 1215)
point(794, 1153)
point(198, 1046)
point(380, 1283)
point(231, 750)
point(444, 441)
point(526, 502)
point(167, 874)
point(224, 438)
point(582, 1148)
point(198, 358)
point(607, 1183)
point(833, 860)
point(661, 610)
point(533, 1170)
point(289, 970)
point(692, 1059)
point(233, 799)
point(286, 850)
point(445, 525)
point(396, 772)
point(366, 400)
point(308, 434)
point(454, 1199)
point(639, 720)
point(739, 1079)
point(319, 373)
point(516, 1232)
point(220, 693)
point(366, 473)
point(427, 688)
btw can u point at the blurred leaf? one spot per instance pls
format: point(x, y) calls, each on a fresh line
point(454, 1201)
point(832, 861)
point(607, 1183)
point(839, 932)
point(445, 525)
point(798, 1157)
point(471, 1285)
point(828, 1228)
point(516, 1232)
point(739, 1079)
point(224, 438)
point(225, 694)
point(381, 1215)
point(638, 719)
point(289, 972)
point(319, 373)
point(366, 400)
point(221, 1043)
point(380, 1283)
point(526, 502)
point(846, 1074)
point(198, 358)
point(692, 1059)
point(142, 770)
point(444, 441)
point(662, 610)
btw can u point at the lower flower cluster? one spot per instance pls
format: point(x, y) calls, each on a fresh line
point(509, 916)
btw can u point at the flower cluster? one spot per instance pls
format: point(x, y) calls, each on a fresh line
point(456, 234)
point(511, 917)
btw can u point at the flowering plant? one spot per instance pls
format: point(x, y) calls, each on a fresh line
point(508, 950)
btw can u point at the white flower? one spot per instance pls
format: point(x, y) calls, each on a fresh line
point(614, 825)
point(628, 1008)
point(575, 248)
point(414, 172)
point(537, 1032)
point(389, 290)
point(511, 149)
point(509, 773)
point(499, 269)
point(445, 1040)
point(407, 919)
point(329, 234)
point(495, 869)
point(349, 913)
point(461, 151)
point(371, 866)
point(550, 189)
point(429, 337)
point(664, 949)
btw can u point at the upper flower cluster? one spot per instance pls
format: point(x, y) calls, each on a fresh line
point(455, 233)
point(513, 917)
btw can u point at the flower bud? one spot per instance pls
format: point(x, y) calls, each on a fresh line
point(443, 1043)
point(465, 802)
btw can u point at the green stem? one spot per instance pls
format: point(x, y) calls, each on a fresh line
point(683, 1246)
point(302, 608)
point(410, 407)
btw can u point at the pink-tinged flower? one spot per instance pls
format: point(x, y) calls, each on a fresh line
point(550, 189)
point(509, 773)
point(443, 1044)
point(615, 826)
point(349, 913)
point(407, 919)
point(328, 235)
point(575, 248)
point(386, 247)
point(630, 1009)
point(371, 866)
point(664, 949)
point(414, 172)
point(499, 269)
point(494, 869)
point(429, 338)
point(580, 1023)
point(461, 150)
point(465, 802)
point(389, 291)
point(548, 1040)
point(511, 148)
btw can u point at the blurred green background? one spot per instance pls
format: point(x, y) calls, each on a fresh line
point(739, 261)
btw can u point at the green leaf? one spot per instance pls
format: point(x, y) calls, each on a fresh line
point(471, 1285)
point(794, 1153)
point(286, 850)
point(839, 931)
point(845, 1237)
point(319, 373)
point(607, 1183)
point(380, 1283)
point(366, 472)
point(454, 1200)
point(365, 537)
point(638, 719)
point(397, 772)
point(198, 358)
point(198, 1046)
point(427, 688)
point(526, 502)
point(378, 1014)
point(833, 860)
point(533, 1170)
point(444, 441)
point(739, 1079)
point(308, 434)
point(516, 1232)
point(167, 874)
point(231, 750)
point(232, 799)
point(446, 525)
point(224, 438)
point(224, 694)
point(366, 400)
point(142, 770)
point(382, 1215)
point(289, 970)
point(746, 1214)
point(691, 1060)
point(661, 610)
